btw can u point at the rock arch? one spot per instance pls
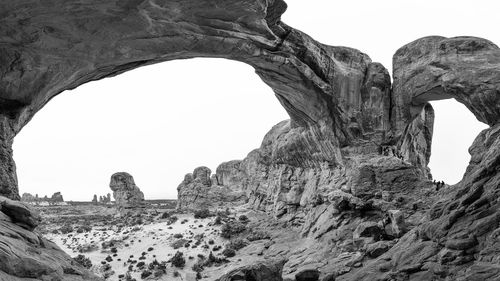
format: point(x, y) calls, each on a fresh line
point(338, 94)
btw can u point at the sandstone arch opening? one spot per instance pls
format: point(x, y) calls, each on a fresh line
point(208, 111)
point(455, 128)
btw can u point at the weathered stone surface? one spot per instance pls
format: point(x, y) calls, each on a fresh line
point(20, 213)
point(262, 271)
point(378, 248)
point(434, 68)
point(368, 229)
point(200, 190)
point(25, 255)
point(125, 192)
point(56, 198)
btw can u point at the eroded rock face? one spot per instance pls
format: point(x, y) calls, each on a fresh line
point(125, 192)
point(200, 189)
point(25, 254)
point(262, 271)
point(435, 68)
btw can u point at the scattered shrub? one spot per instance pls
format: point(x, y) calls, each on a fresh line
point(218, 220)
point(228, 252)
point(178, 235)
point(198, 266)
point(83, 261)
point(243, 219)
point(145, 274)
point(213, 260)
point(66, 229)
point(231, 228)
point(178, 260)
point(165, 215)
point(171, 220)
point(201, 214)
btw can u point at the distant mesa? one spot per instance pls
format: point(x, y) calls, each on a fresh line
point(125, 192)
point(106, 199)
point(55, 199)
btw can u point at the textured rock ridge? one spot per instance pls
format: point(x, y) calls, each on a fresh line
point(125, 192)
point(56, 198)
point(25, 254)
point(201, 189)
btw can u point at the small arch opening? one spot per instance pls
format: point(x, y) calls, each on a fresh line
point(455, 128)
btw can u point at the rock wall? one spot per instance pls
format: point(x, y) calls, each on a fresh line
point(56, 198)
point(201, 190)
point(26, 255)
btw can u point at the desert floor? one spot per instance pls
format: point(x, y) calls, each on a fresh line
point(140, 245)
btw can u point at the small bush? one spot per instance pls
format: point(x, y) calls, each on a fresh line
point(198, 266)
point(201, 214)
point(66, 229)
point(218, 220)
point(243, 219)
point(178, 260)
point(228, 252)
point(83, 261)
point(145, 274)
point(171, 220)
point(178, 235)
point(231, 228)
point(213, 260)
point(165, 215)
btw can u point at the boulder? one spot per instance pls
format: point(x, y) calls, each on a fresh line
point(125, 192)
point(260, 271)
point(368, 229)
point(20, 213)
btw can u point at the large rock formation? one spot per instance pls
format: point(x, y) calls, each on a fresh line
point(26, 255)
point(55, 199)
point(354, 152)
point(126, 193)
point(201, 190)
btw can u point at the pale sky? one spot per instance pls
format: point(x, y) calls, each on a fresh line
point(160, 122)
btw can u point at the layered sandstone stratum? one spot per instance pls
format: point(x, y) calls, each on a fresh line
point(348, 170)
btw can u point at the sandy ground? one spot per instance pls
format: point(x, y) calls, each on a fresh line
point(117, 248)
